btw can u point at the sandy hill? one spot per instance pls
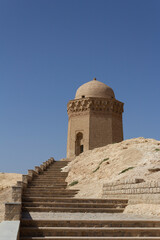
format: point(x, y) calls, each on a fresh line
point(94, 167)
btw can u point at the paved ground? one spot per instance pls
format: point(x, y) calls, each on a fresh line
point(85, 216)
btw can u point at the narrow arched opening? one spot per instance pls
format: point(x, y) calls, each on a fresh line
point(79, 148)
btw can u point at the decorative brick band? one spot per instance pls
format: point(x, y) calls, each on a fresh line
point(13, 211)
point(95, 104)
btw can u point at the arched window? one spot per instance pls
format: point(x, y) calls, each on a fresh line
point(79, 143)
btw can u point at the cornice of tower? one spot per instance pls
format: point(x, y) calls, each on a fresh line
point(96, 105)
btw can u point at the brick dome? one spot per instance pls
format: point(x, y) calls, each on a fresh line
point(95, 89)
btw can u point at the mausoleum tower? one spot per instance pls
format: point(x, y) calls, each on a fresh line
point(95, 118)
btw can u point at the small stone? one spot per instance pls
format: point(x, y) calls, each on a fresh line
point(154, 169)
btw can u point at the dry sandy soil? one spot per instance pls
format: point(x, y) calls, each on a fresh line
point(6, 181)
point(94, 167)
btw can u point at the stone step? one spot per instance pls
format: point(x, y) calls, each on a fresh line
point(49, 182)
point(58, 173)
point(90, 223)
point(60, 162)
point(54, 169)
point(57, 164)
point(53, 187)
point(60, 195)
point(48, 191)
point(50, 173)
point(48, 185)
point(49, 179)
point(38, 186)
point(73, 200)
point(79, 231)
point(54, 183)
point(62, 179)
point(60, 169)
point(90, 238)
point(73, 205)
point(51, 176)
point(55, 180)
point(72, 209)
point(43, 196)
point(58, 183)
point(53, 173)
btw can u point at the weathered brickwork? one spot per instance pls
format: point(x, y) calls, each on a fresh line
point(134, 190)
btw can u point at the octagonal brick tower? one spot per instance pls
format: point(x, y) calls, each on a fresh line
point(94, 118)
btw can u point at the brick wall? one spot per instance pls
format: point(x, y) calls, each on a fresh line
point(136, 190)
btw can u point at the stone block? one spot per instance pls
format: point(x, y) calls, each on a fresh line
point(139, 180)
point(32, 173)
point(45, 165)
point(26, 178)
point(38, 169)
point(42, 167)
point(12, 211)
point(16, 194)
point(21, 184)
point(52, 160)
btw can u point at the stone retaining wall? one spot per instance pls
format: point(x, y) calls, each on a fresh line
point(136, 190)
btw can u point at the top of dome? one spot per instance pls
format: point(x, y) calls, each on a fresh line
point(95, 89)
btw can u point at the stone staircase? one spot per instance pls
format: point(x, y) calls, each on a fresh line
point(48, 193)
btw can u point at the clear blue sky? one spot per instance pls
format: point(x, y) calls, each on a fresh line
point(48, 48)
